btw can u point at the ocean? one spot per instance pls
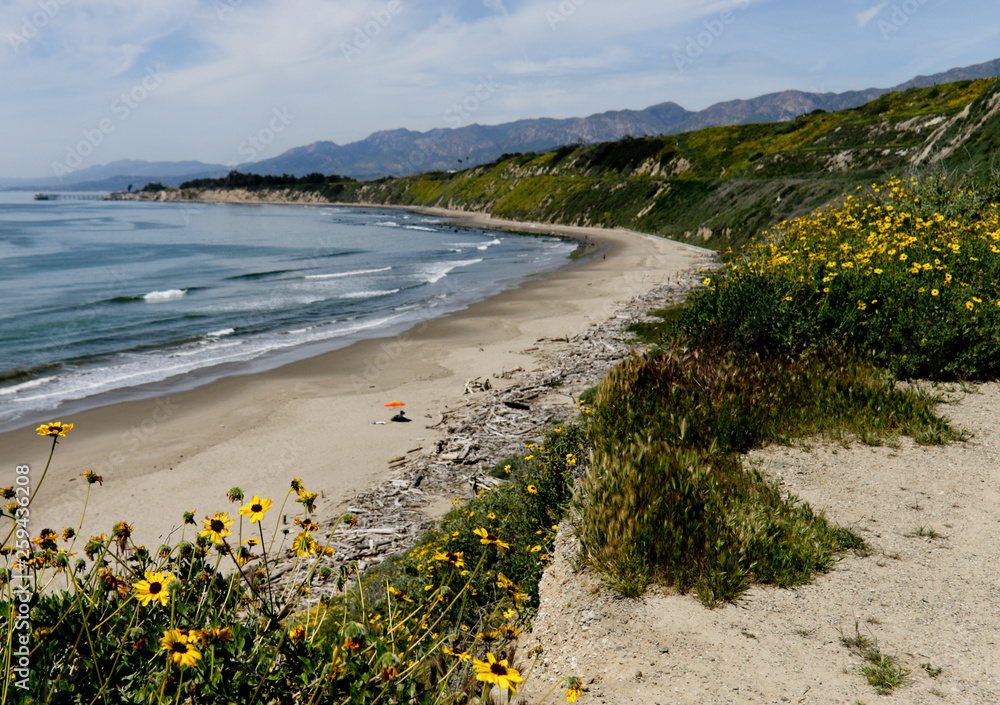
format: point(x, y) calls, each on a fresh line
point(103, 300)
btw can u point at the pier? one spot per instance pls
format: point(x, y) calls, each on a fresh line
point(70, 197)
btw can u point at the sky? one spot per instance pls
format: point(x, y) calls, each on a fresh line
point(87, 82)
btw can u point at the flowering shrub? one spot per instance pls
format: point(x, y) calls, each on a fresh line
point(884, 273)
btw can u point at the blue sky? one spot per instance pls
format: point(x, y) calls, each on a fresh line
point(86, 82)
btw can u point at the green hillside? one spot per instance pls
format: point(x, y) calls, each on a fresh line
point(722, 185)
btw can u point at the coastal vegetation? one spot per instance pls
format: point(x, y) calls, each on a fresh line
point(202, 621)
point(811, 329)
point(803, 333)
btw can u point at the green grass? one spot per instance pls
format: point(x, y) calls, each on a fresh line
point(882, 672)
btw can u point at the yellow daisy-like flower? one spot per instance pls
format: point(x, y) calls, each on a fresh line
point(529, 457)
point(216, 527)
point(303, 545)
point(532, 489)
point(575, 690)
point(571, 459)
point(297, 633)
point(497, 672)
point(256, 508)
point(456, 559)
point(179, 648)
point(458, 652)
point(486, 537)
point(55, 428)
point(969, 305)
point(154, 587)
point(934, 292)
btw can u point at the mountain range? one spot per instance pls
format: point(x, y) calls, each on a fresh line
point(404, 152)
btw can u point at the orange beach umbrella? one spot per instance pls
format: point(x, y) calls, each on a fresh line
point(395, 403)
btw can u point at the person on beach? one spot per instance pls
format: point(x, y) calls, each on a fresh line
point(401, 418)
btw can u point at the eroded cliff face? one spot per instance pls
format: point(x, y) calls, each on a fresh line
point(236, 195)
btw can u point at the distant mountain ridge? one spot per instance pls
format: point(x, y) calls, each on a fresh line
point(404, 152)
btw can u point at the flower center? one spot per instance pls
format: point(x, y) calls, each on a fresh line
point(217, 526)
point(256, 508)
point(497, 670)
point(179, 647)
point(155, 588)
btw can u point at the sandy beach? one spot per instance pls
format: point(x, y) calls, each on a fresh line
point(312, 419)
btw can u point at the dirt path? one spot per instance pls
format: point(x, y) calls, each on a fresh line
point(929, 593)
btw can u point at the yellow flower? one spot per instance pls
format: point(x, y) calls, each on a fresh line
point(529, 457)
point(179, 649)
point(215, 527)
point(934, 292)
point(307, 500)
point(54, 428)
point(154, 587)
point(297, 633)
point(256, 508)
point(575, 690)
point(486, 537)
point(497, 672)
point(303, 545)
point(570, 459)
point(458, 652)
point(532, 489)
point(969, 305)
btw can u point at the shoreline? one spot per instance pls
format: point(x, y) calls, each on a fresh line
point(311, 419)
